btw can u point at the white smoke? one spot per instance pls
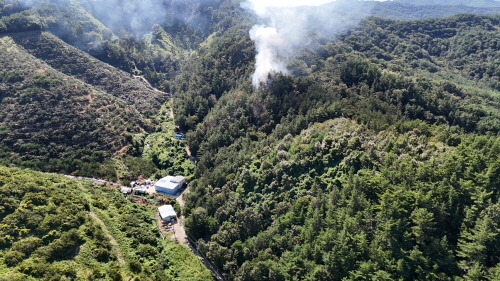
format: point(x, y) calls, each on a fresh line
point(134, 16)
point(268, 42)
point(286, 25)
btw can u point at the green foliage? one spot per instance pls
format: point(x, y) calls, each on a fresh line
point(343, 201)
point(379, 161)
point(53, 228)
point(56, 122)
point(405, 10)
point(71, 61)
point(12, 258)
point(167, 153)
point(373, 195)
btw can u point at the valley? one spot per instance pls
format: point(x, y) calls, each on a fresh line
point(344, 140)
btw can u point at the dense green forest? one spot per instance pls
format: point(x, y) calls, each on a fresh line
point(377, 157)
point(368, 164)
point(469, 3)
point(55, 228)
point(405, 10)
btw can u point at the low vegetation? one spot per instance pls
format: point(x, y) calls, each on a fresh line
point(55, 228)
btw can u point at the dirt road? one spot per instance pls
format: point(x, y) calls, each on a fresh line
point(179, 234)
point(149, 85)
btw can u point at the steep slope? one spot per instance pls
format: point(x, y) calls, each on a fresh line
point(54, 228)
point(39, 30)
point(342, 202)
point(369, 164)
point(376, 160)
point(73, 62)
point(463, 45)
point(66, 18)
point(52, 116)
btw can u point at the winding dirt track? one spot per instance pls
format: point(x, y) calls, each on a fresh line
point(114, 244)
point(149, 85)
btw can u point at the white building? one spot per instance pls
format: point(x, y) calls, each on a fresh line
point(140, 190)
point(169, 184)
point(167, 213)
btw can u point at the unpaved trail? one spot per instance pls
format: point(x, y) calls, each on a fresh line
point(180, 237)
point(179, 231)
point(112, 240)
point(188, 151)
point(149, 85)
point(180, 198)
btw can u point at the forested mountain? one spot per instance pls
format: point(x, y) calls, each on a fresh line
point(375, 156)
point(406, 10)
point(470, 3)
point(51, 117)
point(63, 107)
point(65, 44)
point(365, 165)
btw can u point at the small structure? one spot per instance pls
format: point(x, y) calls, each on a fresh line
point(167, 213)
point(140, 190)
point(170, 184)
point(125, 190)
point(179, 136)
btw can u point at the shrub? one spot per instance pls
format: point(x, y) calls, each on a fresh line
point(135, 266)
point(12, 258)
point(114, 273)
point(146, 250)
point(27, 245)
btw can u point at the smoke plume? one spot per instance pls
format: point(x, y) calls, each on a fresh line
point(287, 25)
point(137, 17)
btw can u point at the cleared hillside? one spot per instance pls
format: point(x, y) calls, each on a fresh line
point(54, 121)
point(75, 63)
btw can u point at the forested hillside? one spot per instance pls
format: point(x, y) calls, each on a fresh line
point(73, 62)
point(468, 3)
point(54, 124)
point(54, 228)
point(368, 164)
point(406, 10)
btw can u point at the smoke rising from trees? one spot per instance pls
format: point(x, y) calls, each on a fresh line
point(286, 25)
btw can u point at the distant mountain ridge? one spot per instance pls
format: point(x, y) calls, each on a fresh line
point(407, 10)
point(470, 3)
